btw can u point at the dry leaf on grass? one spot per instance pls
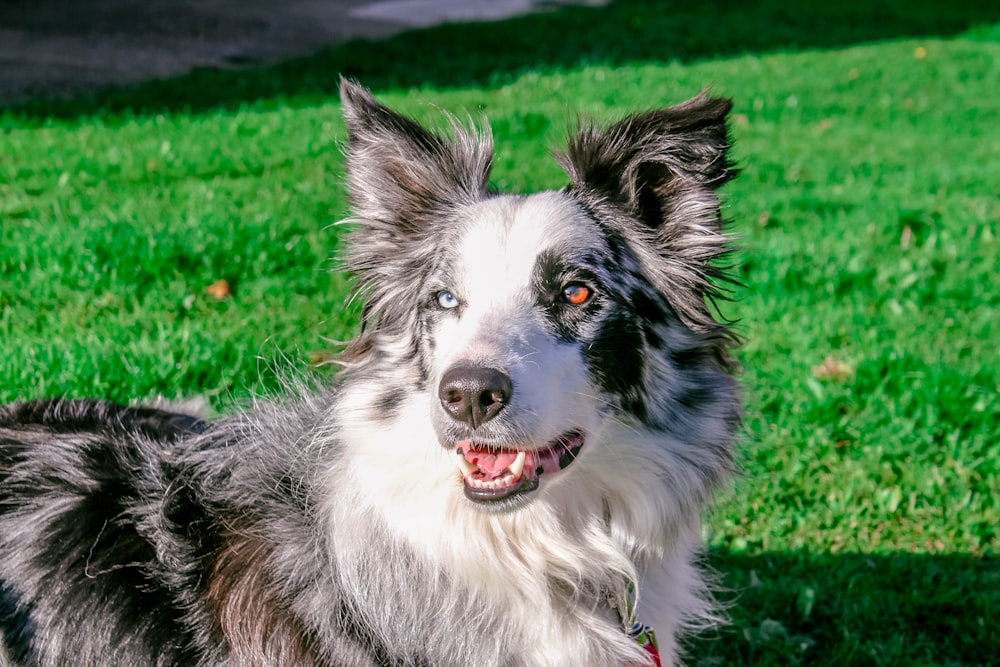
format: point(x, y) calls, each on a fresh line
point(833, 369)
point(905, 237)
point(219, 289)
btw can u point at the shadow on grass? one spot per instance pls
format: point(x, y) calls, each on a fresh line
point(855, 609)
point(626, 31)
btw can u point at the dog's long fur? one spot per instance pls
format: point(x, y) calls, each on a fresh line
point(336, 528)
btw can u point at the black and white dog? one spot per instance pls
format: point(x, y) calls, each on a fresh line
point(511, 471)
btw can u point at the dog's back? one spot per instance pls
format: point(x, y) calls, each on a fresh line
point(76, 480)
point(140, 536)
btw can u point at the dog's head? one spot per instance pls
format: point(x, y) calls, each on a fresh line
point(542, 327)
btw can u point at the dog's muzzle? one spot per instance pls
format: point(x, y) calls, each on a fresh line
point(493, 474)
point(474, 395)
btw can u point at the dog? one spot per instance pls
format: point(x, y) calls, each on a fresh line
point(510, 469)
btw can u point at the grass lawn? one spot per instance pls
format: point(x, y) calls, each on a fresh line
point(864, 530)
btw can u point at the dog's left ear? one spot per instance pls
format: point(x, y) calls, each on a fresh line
point(398, 172)
point(662, 165)
point(663, 169)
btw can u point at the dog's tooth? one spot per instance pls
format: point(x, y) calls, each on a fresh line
point(463, 465)
point(517, 467)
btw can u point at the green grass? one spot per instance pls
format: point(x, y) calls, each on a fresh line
point(864, 530)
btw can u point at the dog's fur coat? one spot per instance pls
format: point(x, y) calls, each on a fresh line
point(387, 521)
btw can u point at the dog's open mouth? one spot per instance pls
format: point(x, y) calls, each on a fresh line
point(494, 473)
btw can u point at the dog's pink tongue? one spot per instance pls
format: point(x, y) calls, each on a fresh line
point(491, 462)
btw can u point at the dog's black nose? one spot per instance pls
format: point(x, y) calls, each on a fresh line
point(474, 394)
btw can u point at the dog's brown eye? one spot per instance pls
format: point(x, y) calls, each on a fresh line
point(576, 294)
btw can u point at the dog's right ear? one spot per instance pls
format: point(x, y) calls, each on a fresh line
point(400, 173)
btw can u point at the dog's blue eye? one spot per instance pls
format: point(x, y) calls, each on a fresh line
point(447, 300)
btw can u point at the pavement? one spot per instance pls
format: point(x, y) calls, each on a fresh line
point(60, 48)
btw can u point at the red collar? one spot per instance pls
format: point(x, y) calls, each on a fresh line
point(636, 630)
point(647, 639)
